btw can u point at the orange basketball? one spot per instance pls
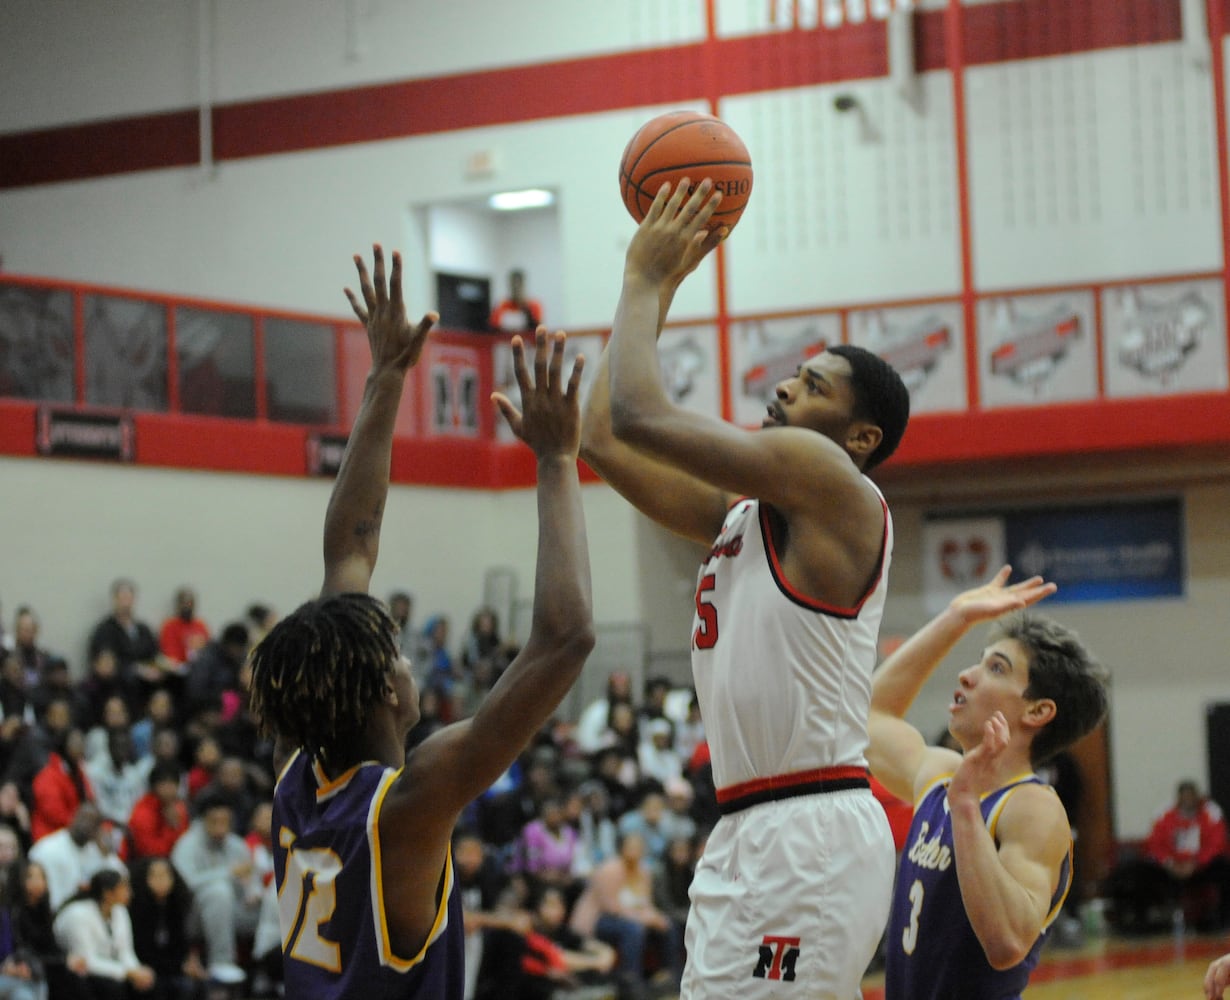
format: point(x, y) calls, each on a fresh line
point(688, 144)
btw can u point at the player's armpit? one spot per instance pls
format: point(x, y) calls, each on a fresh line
point(895, 753)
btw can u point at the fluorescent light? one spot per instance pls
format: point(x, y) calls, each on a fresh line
point(510, 201)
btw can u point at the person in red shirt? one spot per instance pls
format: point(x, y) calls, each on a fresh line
point(183, 633)
point(160, 817)
point(518, 313)
point(60, 787)
point(1188, 840)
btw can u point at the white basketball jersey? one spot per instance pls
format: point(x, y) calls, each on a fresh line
point(783, 680)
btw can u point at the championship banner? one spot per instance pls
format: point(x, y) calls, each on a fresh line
point(925, 344)
point(75, 434)
point(1164, 339)
point(765, 351)
point(1037, 349)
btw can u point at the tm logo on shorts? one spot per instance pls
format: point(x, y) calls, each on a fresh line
point(778, 956)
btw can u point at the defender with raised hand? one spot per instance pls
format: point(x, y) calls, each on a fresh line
point(369, 905)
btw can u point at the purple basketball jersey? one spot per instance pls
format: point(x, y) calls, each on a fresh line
point(933, 953)
point(335, 941)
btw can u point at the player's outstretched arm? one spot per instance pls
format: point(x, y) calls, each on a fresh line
point(356, 505)
point(898, 755)
point(794, 469)
point(1007, 881)
point(463, 760)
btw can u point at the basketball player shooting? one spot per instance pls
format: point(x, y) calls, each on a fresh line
point(793, 886)
point(988, 860)
point(369, 905)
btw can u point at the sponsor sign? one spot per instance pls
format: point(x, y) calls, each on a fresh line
point(78, 434)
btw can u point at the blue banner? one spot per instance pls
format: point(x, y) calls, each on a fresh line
point(1110, 552)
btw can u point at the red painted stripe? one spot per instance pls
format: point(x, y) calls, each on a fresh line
point(792, 780)
point(98, 149)
point(1033, 29)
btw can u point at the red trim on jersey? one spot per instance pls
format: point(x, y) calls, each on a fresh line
point(789, 781)
point(784, 585)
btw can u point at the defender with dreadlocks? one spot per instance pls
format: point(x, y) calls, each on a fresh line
point(367, 898)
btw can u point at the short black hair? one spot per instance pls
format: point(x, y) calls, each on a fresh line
point(879, 396)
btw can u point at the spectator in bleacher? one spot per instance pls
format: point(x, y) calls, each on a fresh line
point(675, 879)
point(401, 610)
point(689, 731)
point(32, 922)
point(57, 685)
point(656, 757)
point(213, 673)
point(118, 781)
point(230, 784)
point(619, 775)
point(161, 909)
point(130, 640)
point(96, 925)
point(483, 644)
point(33, 744)
point(205, 760)
point(656, 825)
point(113, 717)
point(15, 700)
point(617, 907)
point(596, 833)
point(71, 855)
point(183, 634)
point(441, 671)
point(1188, 841)
point(653, 703)
point(259, 618)
point(101, 685)
point(60, 786)
point(547, 848)
point(504, 815)
point(592, 732)
point(555, 956)
point(159, 714)
point(490, 927)
point(160, 817)
point(11, 848)
point(24, 643)
point(216, 864)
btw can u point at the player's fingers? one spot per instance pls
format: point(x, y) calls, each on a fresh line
point(540, 357)
point(423, 328)
point(365, 283)
point(574, 380)
point(359, 311)
point(519, 372)
point(679, 197)
point(382, 295)
point(705, 212)
point(510, 413)
point(659, 204)
point(395, 281)
point(557, 359)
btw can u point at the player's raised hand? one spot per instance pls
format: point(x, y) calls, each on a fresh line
point(394, 342)
point(996, 597)
point(977, 772)
point(675, 236)
point(549, 420)
point(1217, 979)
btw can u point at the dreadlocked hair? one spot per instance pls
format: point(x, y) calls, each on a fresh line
point(318, 672)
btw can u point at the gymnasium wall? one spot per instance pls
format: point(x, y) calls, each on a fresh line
point(1092, 156)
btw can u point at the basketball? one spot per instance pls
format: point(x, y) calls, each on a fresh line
point(688, 144)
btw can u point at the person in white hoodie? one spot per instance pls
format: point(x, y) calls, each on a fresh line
point(95, 925)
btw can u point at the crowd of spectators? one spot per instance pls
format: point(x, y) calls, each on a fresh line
point(136, 809)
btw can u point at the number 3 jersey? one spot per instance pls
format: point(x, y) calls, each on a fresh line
point(327, 860)
point(783, 680)
point(933, 953)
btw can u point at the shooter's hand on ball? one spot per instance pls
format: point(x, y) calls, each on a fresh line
point(394, 343)
point(674, 236)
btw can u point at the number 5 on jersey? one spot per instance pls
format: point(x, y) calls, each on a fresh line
point(706, 634)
